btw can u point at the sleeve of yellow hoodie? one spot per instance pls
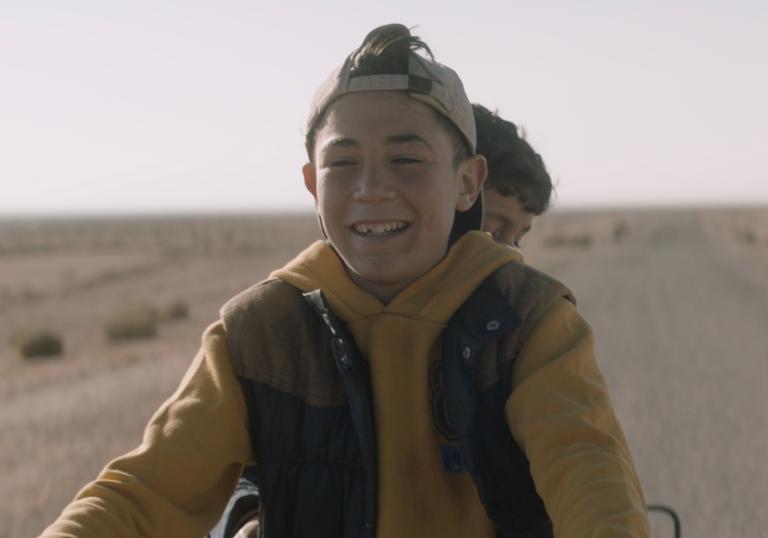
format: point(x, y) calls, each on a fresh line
point(178, 481)
point(560, 414)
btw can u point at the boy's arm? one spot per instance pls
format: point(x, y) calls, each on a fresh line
point(179, 479)
point(560, 414)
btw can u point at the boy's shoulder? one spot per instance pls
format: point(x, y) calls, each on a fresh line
point(269, 299)
point(519, 281)
point(530, 292)
point(275, 338)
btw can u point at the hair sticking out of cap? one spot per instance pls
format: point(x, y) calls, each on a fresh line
point(386, 49)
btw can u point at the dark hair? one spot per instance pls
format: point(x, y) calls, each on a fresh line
point(387, 50)
point(514, 168)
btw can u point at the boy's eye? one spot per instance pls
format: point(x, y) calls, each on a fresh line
point(406, 160)
point(341, 163)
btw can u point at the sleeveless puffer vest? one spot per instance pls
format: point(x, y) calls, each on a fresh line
point(308, 393)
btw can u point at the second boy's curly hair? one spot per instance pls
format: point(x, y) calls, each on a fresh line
point(514, 167)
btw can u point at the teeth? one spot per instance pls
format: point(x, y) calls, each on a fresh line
point(379, 228)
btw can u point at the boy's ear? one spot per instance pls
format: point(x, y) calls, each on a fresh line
point(310, 179)
point(472, 172)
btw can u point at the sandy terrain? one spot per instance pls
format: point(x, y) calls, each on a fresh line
point(678, 300)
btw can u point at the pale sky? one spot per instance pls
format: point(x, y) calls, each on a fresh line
point(148, 106)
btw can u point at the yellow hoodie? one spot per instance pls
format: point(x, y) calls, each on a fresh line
point(178, 481)
point(417, 497)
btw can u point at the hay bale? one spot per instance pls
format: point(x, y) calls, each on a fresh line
point(136, 323)
point(42, 343)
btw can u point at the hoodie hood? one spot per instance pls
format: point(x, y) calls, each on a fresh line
point(401, 340)
point(434, 296)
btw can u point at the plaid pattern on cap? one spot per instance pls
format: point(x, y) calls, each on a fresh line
point(430, 82)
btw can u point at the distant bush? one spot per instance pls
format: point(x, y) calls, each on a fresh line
point(39, 344)
point(137, 323)
point(175, 311)
point(746, 235)
point(581, 241)
point(620, 230)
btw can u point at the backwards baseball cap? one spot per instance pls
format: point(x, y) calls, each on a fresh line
point(387, 61)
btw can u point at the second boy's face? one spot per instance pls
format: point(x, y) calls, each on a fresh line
point(386, 188)
point(505, 217)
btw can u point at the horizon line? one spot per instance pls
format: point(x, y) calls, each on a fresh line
point(293, 211)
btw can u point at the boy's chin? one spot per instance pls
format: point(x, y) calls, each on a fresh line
point(382, 284)
point(385, 283)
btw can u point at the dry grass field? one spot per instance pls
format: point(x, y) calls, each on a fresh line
point(678, 301)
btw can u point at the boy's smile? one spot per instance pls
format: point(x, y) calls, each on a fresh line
point(372, 229)
point(386, 187)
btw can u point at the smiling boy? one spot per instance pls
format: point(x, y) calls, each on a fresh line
point(406, 377)
point(514, 169)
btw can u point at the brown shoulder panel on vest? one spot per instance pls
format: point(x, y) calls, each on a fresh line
point(531, 294)
point(275, 338)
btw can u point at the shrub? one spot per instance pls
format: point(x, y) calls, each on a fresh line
point(745, 235)
point(135, 323)
point(175, 311)
point(620, 230)
point(40, 344)
point(582, 241)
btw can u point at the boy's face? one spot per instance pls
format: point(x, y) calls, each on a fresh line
point(505, 217)
point(386, 188)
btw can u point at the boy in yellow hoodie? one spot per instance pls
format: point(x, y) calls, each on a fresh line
point(407, 377)
point(517, 189)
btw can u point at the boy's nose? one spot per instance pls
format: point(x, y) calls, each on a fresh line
point(507, 235)
point(373, 185)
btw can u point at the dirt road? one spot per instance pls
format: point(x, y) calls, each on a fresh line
point(680, 312)
point(681, 320)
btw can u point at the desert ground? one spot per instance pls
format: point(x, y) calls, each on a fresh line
point(678, 300)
